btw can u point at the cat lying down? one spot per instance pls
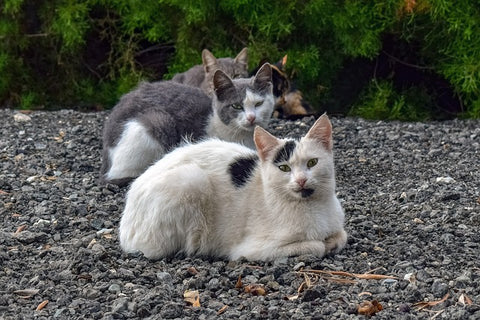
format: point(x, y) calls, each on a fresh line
point(156, 117)
point(222, 199)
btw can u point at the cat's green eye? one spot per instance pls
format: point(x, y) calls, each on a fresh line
point(237, 106)
point(312, 162)
point(284, 168)
point(259, 103)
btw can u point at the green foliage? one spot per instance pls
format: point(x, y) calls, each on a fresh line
point(381, 101)
point(341, 54)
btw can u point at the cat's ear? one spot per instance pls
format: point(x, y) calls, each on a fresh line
point(263, 78)
point(321, 131)
point(222, 84)
point(242, 57)
point(265, 142)
point(209, 61)
point(280, 82)
point(281, 63)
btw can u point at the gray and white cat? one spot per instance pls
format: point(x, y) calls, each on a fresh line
point(201, 76)
point(222, 199)
point(156, 117)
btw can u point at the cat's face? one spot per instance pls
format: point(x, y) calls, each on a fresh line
point(243, 104)
point(298, 170)
point(235, 68)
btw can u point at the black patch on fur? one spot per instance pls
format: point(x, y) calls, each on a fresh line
point(306, 192)
point(242, 169)
point(285, 153)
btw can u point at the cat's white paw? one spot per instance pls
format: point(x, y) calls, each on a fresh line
point(336, 242)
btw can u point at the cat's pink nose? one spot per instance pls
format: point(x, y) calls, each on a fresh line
point(251, 118)
point(301, 182)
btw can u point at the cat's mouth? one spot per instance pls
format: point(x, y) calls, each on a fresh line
point(249, 126)
point(305, 192)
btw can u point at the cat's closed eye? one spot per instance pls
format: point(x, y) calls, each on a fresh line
point(259, 103)
point(284, 168)
point(237, 106)
point(312, 162)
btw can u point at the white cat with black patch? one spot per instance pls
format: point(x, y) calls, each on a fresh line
point(156, 117)
point(222, 199)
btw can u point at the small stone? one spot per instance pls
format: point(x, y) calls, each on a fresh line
point(114, 288)
point(213, 284)
point(171, 310)
point(20, 117)
point(313, 293)
point(101, 232)
point(27, 237)
point(405, 308)
point(91, 293)
point(439, 288)
point(164, 277)
point(299, 266)
point(40, 146)
point(32, 179)
point(445, 180)
point(119, 305)
point(98, 248)
point(273, 285)
point(465, 277)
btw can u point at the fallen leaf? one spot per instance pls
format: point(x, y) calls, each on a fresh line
point(291, 298)
point(425, 304)
point(192, 297)
point(255, 289)
point(239, 283)
point(3, 192)
point(61, 135)
point(369, 308)
point(20, 229)
point(85, 276)
point(26, 293)
point(42, 305)
point(192, 270)
point(464, 299)
point(222, 310)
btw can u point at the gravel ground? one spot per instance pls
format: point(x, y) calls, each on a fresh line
point(411, 194)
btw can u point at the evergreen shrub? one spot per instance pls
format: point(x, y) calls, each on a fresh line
point(390, 59)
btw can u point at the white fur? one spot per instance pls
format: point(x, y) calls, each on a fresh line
point(135, 151)
point(187, 202)
point(240, 130)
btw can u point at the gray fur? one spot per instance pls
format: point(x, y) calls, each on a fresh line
point(228, 92)
point(169, 112)
point(201, 76)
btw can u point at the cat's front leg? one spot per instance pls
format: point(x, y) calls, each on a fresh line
point(336, 241)
point(314, 247)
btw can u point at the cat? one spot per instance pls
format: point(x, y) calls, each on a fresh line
point(156, 117)
point(289, 103)
point(201, 76)
point(217, 198)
